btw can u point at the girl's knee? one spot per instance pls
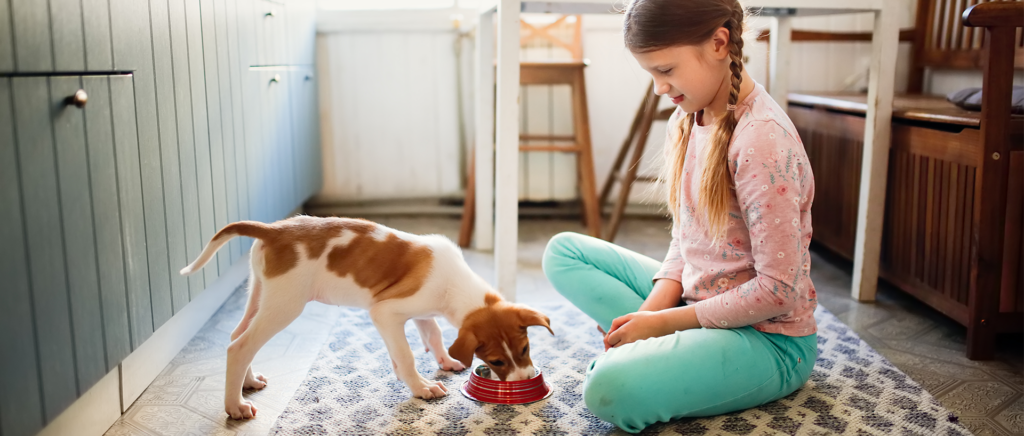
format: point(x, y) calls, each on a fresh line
point(562, 242)
point(608, 394)
point(561, 246)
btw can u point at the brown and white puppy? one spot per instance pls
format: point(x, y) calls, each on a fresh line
point(397, 276)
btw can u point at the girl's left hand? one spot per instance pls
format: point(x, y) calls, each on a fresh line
point(634, 327)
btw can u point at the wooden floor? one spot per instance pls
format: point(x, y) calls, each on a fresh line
point(187, 398)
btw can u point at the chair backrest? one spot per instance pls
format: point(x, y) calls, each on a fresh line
point(564, 32)
point(942, 41)
point(939, 39)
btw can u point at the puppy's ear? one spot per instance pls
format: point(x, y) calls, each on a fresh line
point(464, 347)
point(529, 317)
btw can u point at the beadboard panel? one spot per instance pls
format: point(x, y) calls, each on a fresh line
point(395, 130)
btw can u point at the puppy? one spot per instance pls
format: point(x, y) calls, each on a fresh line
point(397, 276)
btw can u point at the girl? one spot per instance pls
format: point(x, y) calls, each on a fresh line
point(726, 322)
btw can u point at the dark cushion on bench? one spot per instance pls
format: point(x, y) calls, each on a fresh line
point(970, 99)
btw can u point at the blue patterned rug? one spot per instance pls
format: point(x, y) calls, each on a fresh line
point(351, 389)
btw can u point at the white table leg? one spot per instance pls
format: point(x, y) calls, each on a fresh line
point(483, 225)
point(507, 149)
point(778, 59)
point(875, 162)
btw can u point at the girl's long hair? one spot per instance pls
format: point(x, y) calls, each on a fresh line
point(656, 24)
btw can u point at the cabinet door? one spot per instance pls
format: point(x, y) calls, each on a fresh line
point(271, 31)
point(73, 228)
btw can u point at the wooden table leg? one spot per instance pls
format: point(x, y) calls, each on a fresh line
point(875, 162)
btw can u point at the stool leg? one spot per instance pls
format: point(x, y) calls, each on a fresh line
point(469, 204)
point(630, 137)
point(644, 129)
point(585, 160)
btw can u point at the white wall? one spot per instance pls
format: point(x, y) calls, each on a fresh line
point(389, 101)
point(390, 98)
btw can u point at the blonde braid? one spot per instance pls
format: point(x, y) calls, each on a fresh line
point(716, 183)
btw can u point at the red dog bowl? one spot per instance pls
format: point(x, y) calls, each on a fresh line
point(481, 388)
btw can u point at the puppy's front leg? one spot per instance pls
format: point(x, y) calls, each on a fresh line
point(392, 329)
point(430, 332)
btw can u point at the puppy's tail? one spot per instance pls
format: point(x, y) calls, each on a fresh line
point(252, 229)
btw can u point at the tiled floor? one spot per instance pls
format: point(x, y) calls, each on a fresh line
point(187, 397)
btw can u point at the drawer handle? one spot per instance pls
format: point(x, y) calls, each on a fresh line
point(269, 13)
point(308, 77)
point(275, 79)
point(79, 99)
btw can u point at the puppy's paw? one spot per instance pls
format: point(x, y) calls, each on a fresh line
point(240, 409)
point(427, 389)
point(448, 364)
point(257, 381)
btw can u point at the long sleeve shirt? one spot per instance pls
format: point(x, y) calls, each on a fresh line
point(759, 274)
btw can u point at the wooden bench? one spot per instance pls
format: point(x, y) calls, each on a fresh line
point(954, 209)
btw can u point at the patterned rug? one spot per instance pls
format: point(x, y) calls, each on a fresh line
point(351, 389)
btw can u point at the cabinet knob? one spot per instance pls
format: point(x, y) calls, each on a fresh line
point(275, 79)
point(309, 77)
point(79, 99)
point(269, 13)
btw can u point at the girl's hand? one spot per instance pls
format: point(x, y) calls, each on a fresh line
point(634, 327)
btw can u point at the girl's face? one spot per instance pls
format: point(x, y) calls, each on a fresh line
point(693, 76)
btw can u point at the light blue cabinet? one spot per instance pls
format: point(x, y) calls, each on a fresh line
point(67, 197)
point(198, 113)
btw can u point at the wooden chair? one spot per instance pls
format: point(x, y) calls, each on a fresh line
point(569, 72)
point(955, 190)
point(636, 140)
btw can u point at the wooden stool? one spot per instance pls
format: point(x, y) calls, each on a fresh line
point(568, 72)
point(636, 139)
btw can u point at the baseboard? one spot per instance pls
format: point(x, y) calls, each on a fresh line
point(141, 367)
point(445, 207)
point(93, 413)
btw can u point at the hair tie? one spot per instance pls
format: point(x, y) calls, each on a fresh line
point(730, 107)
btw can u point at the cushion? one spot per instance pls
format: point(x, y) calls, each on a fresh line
point(970, 99)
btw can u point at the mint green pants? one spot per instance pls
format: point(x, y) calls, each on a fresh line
point(692, 373)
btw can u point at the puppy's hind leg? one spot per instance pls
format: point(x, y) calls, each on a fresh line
point(430, 332)
point(278, 309)
point(252, 380)
point(251, 306)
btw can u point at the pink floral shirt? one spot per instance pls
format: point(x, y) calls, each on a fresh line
point(759, 274)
